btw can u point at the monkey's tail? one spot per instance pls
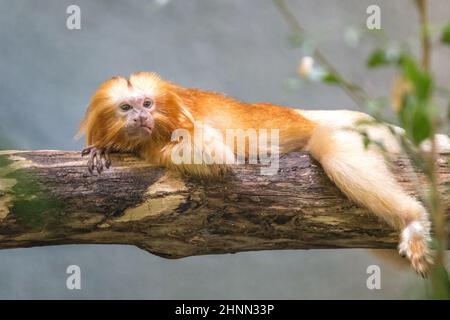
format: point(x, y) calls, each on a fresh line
point(364, 176)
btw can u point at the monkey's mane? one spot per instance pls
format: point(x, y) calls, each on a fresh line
point(103, 128)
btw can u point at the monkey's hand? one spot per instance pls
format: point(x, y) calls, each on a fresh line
point(98, 158)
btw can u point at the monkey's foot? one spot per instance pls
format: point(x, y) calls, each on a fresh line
point(414, 245)
point(98, 158)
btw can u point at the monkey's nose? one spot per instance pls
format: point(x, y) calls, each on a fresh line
point(141, 119)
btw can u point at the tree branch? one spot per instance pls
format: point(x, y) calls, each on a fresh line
point(48, 197)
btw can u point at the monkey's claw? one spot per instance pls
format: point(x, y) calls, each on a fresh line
point(98, 159)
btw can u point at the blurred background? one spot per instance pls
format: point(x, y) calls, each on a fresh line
point(241, 48)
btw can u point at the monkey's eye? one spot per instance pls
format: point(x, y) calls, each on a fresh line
point(148, 103)
point(126, 107)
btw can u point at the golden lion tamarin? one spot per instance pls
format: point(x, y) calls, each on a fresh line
point(140, 114)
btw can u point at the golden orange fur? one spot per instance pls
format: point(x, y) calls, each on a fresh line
point(360, 173)
point(177, 106)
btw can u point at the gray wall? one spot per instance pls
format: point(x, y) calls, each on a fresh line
point(238, 47)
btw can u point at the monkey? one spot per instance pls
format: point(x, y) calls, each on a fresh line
point(139, 114)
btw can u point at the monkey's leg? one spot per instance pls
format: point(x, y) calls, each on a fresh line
point(209, 161)
point(98, 158)
point(364, 177)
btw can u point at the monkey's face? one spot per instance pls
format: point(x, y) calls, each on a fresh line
point(143, 107)
point(136, 112)
point(125, 113)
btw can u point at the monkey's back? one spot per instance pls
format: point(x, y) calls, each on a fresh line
point(221, 112)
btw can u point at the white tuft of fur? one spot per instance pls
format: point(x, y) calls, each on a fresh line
point(413, 230)
point(414, 244)
point(442, 143)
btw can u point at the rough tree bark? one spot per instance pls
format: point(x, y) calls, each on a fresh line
point(48, 197)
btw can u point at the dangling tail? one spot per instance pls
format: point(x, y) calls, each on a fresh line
point(363, 175)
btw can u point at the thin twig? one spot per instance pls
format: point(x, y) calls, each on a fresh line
point(422, 6)
point(356, 93)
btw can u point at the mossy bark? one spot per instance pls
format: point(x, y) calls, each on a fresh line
point(48, 198)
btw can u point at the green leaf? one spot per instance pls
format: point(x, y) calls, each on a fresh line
point(421, 79)
point(378, 58)
point(424, 86)
point(445, 36)
point(421, 124)
point(330, 78)
point(406, 113)
point(415, 117)
point(383, 57)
